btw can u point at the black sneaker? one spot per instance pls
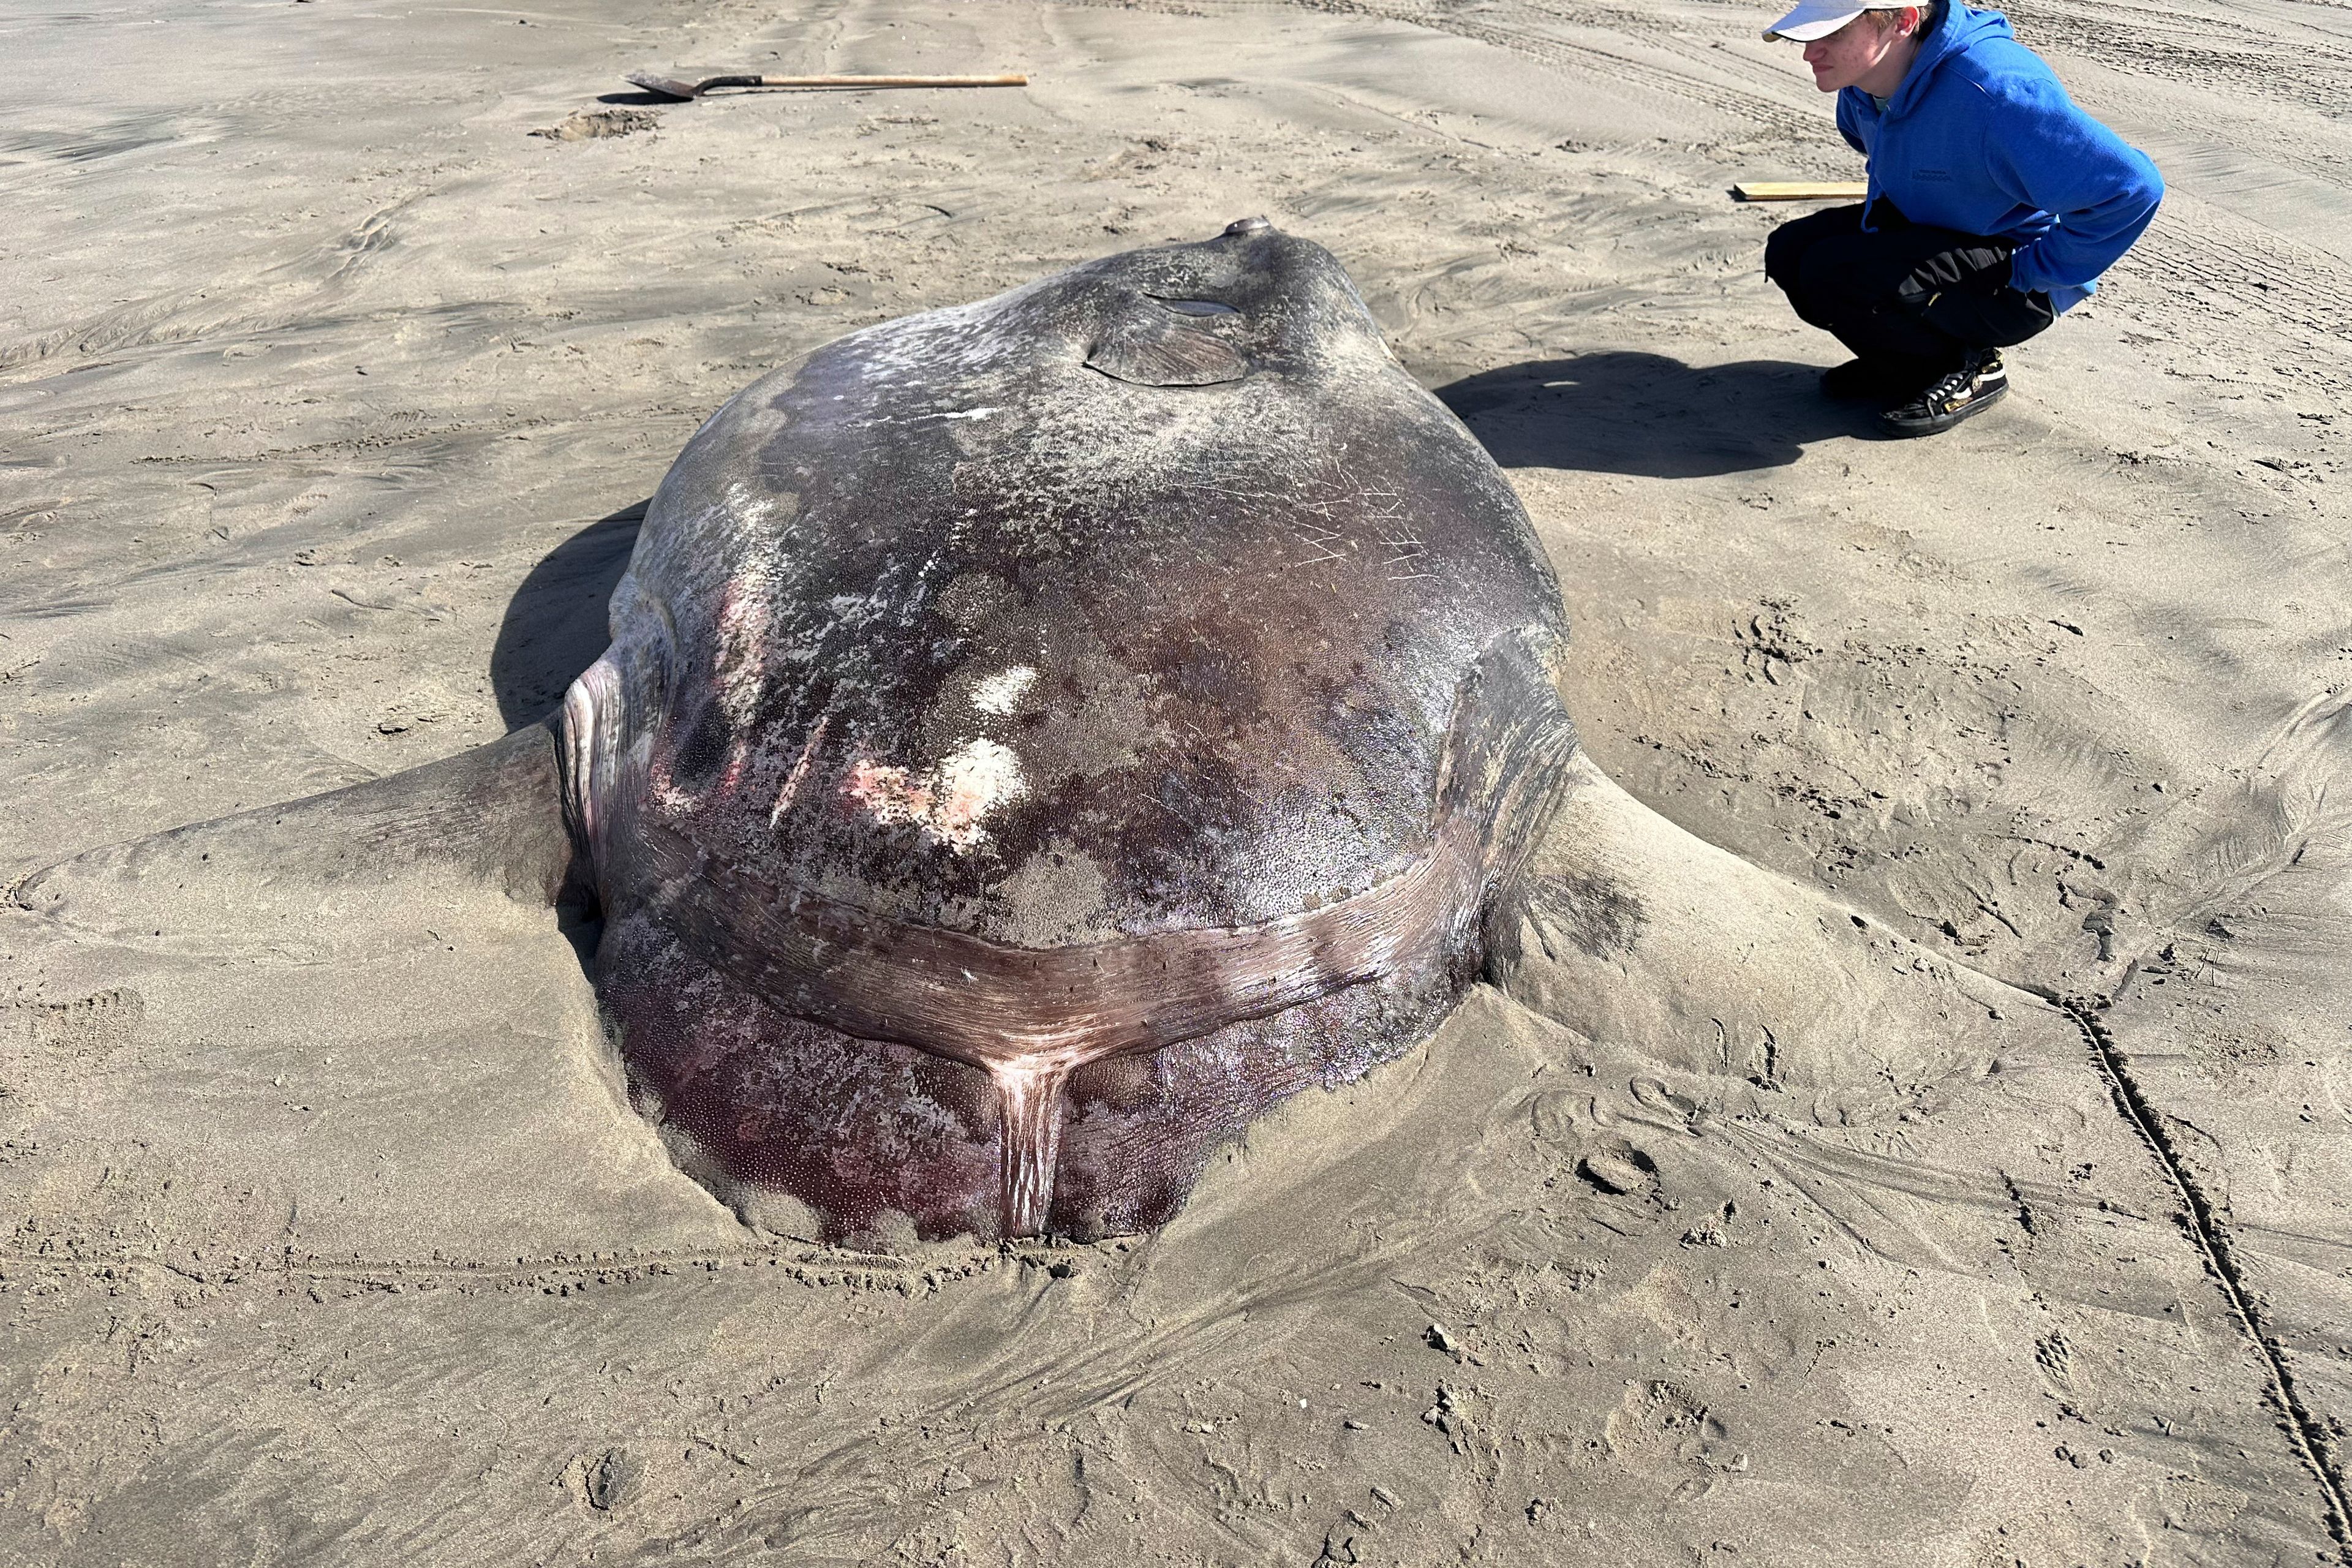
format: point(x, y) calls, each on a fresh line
point(1875, 381)
point(1974, 385)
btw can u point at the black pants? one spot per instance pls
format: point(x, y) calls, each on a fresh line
point(1908, 296)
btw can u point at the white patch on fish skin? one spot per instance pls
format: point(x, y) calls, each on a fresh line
point(997, 693)
point(740, 660)
point(800, 770)
point(749, 503)
point(948, 802)
point(738, 663)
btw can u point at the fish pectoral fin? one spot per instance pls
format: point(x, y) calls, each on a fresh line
point(488, 817)
point(1149, 352)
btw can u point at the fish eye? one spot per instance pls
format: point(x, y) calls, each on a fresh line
point(1197, 307)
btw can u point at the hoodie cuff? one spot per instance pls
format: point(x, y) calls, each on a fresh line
point(2025, 274)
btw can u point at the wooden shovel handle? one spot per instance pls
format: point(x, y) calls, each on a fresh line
point(1007, 80)
point(1801, 191)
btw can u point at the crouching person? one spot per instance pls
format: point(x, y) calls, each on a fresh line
point(1994, 205)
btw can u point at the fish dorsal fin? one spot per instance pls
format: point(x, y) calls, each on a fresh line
point(1163, 344)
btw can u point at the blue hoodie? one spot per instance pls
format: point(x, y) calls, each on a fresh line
point(1981, 138)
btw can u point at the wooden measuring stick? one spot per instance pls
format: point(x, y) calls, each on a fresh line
point(1801, 191)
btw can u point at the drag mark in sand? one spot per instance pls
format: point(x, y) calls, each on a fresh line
point(2311, 1443)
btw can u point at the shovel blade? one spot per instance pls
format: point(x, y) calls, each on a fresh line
point(667, 86)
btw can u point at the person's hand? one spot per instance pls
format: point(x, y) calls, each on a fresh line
point(1994, 278)
point(1976, 271)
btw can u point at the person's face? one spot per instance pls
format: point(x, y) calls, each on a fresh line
point(1863, 53)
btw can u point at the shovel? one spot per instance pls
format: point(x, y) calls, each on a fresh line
point(671, 86)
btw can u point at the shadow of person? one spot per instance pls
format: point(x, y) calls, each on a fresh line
point(554, 626)
point(1626, 413)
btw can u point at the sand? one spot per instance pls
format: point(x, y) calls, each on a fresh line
point(341, 342)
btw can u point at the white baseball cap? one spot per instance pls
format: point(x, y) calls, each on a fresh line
point(1819, 18)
